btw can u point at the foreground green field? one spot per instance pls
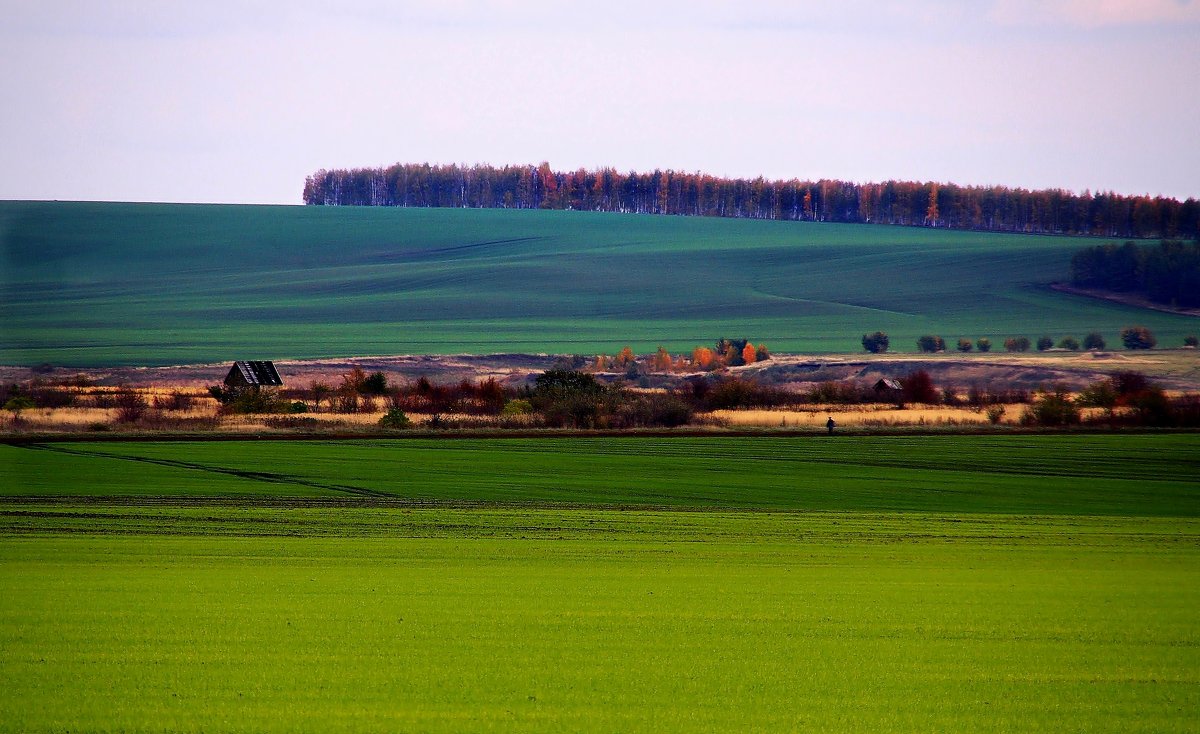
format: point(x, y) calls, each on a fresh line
point(941, 583)
point(105, 284)
point(823, 630)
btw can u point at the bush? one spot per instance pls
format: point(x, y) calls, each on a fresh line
point(649, 411)
point(1052, 409)
point(516, 407)
point(345, 400)
point(1069, 343)
point(737, 393)
point(395, 419)
point(1093, 341)
point(1128, 383)
point(16, 404)
point(567, 398)
point(1100, 394)
point(1191, 341)
point(1044, 343)
point(1138, 337)
point(287, 421)
point(876, 343)
point(918, 387)
point(375, 383)
point(983, 344)
point(176, 401)
point(131, 407)
point(1017, 344)
point(841, 393)
point(253, 401)
point(931, 343)
point(1151, 407)
point(964, 345)
point(995, 414)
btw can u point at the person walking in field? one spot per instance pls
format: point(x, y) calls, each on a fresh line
point(830, 424)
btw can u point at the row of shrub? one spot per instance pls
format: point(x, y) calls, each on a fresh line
point(1133, 337)
point(1127, 399)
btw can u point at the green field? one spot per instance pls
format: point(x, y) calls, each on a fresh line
point(87, 284)
point(1128, 475)
point(939, 583)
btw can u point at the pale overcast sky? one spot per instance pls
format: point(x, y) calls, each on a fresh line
point(237, 102)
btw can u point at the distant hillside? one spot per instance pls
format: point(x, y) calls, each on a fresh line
point(96, 283)
point(990, 208)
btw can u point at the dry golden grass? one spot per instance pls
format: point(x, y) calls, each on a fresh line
point(868, 415)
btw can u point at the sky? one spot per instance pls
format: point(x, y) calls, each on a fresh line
point(238, 102)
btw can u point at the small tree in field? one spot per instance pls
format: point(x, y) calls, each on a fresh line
point(319, 391)
point(1017, 344)
point(1093, 341)
point(1069, 343)
point(983, 344)
point(1191, 341)
point(964, 345)
point(876, 343)
point(1138, 337)
point(375, 383)
point(931, 343)
point(395, 419)
point(1044, 343)
point(16, 404)
point(131, 406)
point(749, 353)
point(1053, 409)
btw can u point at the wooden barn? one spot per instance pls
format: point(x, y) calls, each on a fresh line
point(253, 374)
point(888, 387)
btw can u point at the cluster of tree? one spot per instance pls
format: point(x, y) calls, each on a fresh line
point(360, 392)
point(725, 353)
point(1126, 399)
point(983, 344)
point(572, 399)
point(726, 392)
point(1168, 273)
point(993, 208)
point(1133, 337)
point(915, 387)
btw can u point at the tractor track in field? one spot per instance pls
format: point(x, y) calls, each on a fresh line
point(270, 477)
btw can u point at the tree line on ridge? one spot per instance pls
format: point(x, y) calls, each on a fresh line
point(988, 208)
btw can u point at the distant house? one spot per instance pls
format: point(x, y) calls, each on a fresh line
point(254, 374)
point(889, 387)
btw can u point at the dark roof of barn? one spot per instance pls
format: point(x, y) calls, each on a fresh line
point(257, 372)
point(888, 383)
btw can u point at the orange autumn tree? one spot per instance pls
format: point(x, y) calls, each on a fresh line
point(624, 358)
point(703, 357)
point(749, 353)
point(661, 361)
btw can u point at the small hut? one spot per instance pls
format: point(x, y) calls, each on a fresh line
point(888, 388)
point(253, 374)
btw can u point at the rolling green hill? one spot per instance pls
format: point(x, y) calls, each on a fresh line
point(99, 283)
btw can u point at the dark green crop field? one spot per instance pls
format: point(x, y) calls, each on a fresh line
point(87, 284)
point(910, 584)
point(1130, 475)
